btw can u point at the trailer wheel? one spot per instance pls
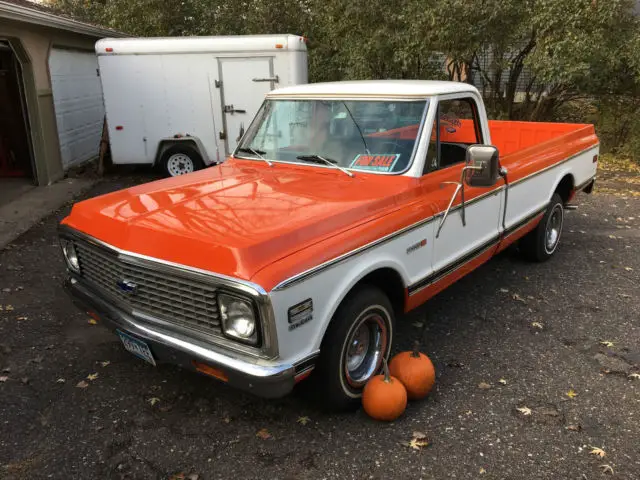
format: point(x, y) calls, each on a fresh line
point(359, 336)
point(180, 160)
point(541, 243)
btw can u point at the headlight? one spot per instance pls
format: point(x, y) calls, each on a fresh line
point(70, 255)
point(238, 318)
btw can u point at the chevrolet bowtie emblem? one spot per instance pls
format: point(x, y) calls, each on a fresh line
point(128, 287)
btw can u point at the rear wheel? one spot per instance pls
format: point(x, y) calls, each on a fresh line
point(358, 338)
point(180, 160)
point(541, 243)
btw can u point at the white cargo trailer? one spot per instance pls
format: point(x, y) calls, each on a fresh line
point(182, 103)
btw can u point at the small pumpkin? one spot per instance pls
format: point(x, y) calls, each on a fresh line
point(384, 397)
point(415, 371)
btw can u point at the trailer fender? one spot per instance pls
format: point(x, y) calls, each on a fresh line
point(177, 139)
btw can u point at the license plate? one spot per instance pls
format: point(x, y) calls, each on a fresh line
point(137, 347)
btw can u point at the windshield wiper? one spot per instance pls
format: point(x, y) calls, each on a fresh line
point(327, 161)
point(257, 153)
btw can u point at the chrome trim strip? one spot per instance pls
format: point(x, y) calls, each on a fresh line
point(269, 348)
point(539, 172)
point(313, 271)
point(438, 275)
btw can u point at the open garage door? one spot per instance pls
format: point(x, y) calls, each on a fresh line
point(77, 98)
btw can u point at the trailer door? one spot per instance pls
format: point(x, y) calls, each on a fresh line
point(245, 82)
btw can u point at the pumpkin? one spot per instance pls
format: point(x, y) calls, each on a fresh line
point(415, 371)
point(384, 397)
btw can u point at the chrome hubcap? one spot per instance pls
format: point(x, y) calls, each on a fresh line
point(365, 349)
point(179, 164)
point(554, 228)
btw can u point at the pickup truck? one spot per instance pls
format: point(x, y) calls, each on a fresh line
point(344, 206)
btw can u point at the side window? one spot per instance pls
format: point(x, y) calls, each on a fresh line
point(458, 127)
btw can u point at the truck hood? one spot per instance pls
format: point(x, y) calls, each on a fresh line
point(238, 217)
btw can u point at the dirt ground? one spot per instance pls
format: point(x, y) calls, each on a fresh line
point(537, 366)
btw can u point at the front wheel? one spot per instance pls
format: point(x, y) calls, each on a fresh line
point(541, 243)
point(180, 160)
point(358, 338)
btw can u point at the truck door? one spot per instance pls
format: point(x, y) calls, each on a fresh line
point(461, 239)
point(244, 83)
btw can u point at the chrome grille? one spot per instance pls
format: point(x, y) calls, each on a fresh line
point(174, 299)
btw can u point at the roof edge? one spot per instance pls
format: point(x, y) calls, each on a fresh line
point(37, 17)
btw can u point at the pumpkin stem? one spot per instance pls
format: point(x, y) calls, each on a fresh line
point(416, 349)
point(385, 369)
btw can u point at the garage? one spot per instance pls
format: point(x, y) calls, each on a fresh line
point(77, 100)
point(51, 107)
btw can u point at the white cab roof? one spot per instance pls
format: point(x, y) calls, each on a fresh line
point(236, 43)
point(374, 88)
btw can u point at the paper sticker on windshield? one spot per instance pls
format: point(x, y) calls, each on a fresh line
point(375, 163)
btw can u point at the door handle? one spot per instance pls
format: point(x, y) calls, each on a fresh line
point(275, 79)
point(230, 109)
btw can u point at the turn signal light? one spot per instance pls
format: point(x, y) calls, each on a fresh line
point(279, 45)
point(209, 370)
point(108, 49)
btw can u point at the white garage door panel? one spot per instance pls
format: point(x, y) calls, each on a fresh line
point(77, 97)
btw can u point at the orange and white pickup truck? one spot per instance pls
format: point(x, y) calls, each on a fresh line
point(344, 206)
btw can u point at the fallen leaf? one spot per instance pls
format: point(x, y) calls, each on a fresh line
point(263, 434)
point(303, 420)
point(3, 379)
point(606, 343)
point(22, 318)
point(502, 381)
point(574, 428)
point(82, 384)
point(526, 411)
point(226, 419)
point(418, 443)
point(612, 237)
point(628, 269)
point(504, 290)
point(518, 298)
point(571, 393)
point(484, 386)
point(419, 435)
point(153, 400)
point(417, 324)
point(92, 376)
point(482, 471)
point(624, 295)
point(537, 325)
point(60, 380)
point(8, 308)
point(597, 451)
point(607, 469)
point(105, 363)
point(92, 321)
point(634, 375)
point(6, 290)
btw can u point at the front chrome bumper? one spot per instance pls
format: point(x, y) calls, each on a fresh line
point(257, 376)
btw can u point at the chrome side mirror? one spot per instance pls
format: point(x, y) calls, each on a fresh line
point(482, 167)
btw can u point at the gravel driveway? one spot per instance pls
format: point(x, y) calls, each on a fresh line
point(537, 364)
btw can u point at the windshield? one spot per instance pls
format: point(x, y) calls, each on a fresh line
point(372, 136)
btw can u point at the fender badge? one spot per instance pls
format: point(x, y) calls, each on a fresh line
point(416, 246)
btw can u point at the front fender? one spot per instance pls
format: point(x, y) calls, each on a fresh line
point(327, 289)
